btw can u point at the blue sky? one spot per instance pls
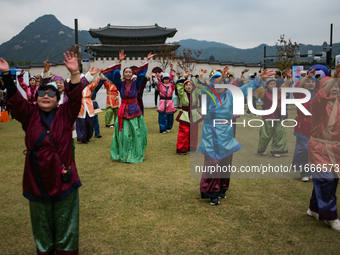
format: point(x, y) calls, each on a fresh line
point(242, 24)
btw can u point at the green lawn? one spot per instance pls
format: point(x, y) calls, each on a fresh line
point(154, 207)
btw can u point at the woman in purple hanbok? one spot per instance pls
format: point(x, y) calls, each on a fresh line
point(50, 180)
point(130, 136)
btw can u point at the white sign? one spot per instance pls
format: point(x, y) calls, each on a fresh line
point(337, 60)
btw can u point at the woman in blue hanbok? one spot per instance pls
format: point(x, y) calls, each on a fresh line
point(218, 141)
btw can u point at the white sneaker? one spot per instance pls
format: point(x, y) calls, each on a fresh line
point(334, 224)
point(305, 179)
point(313, 214)
point(263, 153)
point(277, 155)
point(164, 132)
point(168, 131)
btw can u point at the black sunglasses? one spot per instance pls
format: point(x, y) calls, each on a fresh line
point(50, 93)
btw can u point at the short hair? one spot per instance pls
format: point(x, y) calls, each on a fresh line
point(278, 73)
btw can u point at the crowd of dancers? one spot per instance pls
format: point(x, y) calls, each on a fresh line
point(54, 105)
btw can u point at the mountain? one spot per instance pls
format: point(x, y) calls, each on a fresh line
point(197, 45)
point(48, 38)
point(45, 38)
point(224, 52)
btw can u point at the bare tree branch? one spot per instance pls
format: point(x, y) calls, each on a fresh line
point(286, 53)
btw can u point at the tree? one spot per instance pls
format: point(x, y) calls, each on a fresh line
point(10, 62)
point(286, 53)
point(166, 56)
point(188, 59)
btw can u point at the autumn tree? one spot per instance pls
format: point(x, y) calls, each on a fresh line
point(286, 53)
point(188, 59)
point(166, 57)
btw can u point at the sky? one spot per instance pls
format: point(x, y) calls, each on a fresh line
point(239, 23)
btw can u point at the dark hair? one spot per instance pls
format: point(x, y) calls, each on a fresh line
point(133, 69)
point(127, 68)
point(157, 70)
point(278, 73)
point(45, 87)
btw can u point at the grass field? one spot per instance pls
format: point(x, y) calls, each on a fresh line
point(154, 207)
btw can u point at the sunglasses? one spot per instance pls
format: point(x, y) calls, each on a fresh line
point(50, 93)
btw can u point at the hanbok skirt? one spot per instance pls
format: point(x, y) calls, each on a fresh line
point(129, 144)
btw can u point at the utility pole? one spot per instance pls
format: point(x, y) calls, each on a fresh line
point(77, 46)
point(330, 50)
point(264, 58)
point(76, 31)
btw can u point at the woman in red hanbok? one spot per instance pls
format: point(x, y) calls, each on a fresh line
point(324, 151)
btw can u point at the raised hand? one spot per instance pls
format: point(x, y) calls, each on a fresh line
point(173, 73)
point(121, 56)
point(201, 72)
point(93, 70)
point(150, 56)
point(171, 66)
point(153, 74)
point(186, 73)
point(46, 66)
point(71, 62)
point(225, 71)
point(4, 67)
point(22, 72)
point(311, 73)
point(265, 74)
point(289, 73)
point(337, 71)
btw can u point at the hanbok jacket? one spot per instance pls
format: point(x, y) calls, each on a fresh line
point(188, 114)
point(267, 98)
point(129, 90)
point(87, 105)
point(112, 98)
point(43, 169)
point(30, 92)
point(324, 143)
point(166, 104)
point(303, 127)
point(218, 140)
